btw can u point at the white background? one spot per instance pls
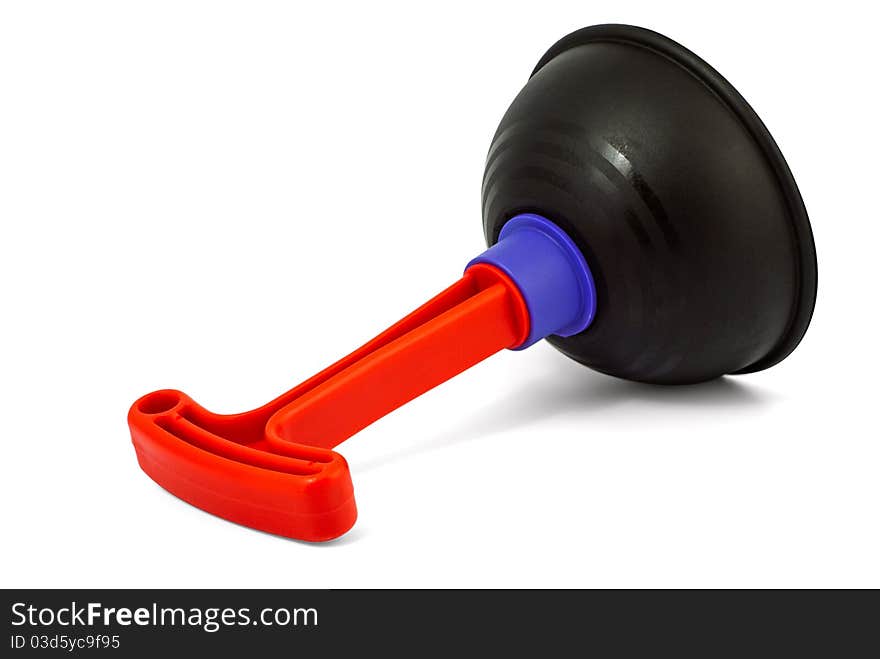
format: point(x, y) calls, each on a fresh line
point(225, 197)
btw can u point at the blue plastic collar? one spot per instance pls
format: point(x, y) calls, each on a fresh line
point(550, 272)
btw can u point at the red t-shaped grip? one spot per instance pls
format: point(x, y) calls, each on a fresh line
point(272, 468)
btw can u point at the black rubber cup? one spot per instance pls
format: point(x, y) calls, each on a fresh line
point(677, 195)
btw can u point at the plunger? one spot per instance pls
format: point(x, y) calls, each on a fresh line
point(639, 216)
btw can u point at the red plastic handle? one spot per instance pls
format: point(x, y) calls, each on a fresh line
point(272, 468)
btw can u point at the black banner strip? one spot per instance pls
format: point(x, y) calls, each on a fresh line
point(132, 623)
